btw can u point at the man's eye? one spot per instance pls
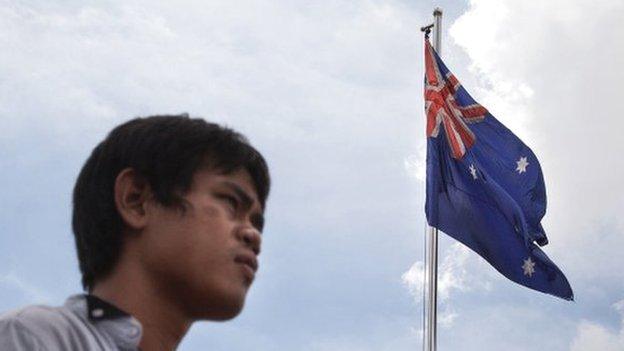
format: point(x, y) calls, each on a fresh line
point(231, 201)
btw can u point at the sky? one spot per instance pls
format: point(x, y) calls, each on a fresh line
point(331, 93)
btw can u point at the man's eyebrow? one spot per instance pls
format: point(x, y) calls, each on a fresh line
point(257, 220)
point(245, 198)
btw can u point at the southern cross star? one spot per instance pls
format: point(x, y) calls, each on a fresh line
point(528, 267)
point(473, 171)
point(522, 165)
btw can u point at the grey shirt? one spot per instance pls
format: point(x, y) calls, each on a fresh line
point(83, 323)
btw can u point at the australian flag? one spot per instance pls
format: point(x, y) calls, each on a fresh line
point(485, 187)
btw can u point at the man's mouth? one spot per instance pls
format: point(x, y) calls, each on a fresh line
point(248, 261)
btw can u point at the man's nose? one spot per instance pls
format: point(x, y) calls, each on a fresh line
point(252, 239)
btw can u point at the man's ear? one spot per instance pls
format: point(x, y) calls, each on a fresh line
point(131, 194)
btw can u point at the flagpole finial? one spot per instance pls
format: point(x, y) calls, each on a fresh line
point(427, 30)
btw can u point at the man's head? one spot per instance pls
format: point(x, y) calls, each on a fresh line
point(186, 197)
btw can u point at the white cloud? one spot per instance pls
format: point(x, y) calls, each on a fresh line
point(592, 336)
point(414, 279)
point(280, 66)
point(416, 164)
point(446, 317)
point(454, 274)
point(460, 270)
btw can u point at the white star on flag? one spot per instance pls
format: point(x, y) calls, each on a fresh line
point(528, 267)
point(473, 171)
point(522, 165)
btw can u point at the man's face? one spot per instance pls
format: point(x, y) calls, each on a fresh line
point(205, 257)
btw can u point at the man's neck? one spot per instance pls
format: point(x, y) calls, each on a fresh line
point(164, 323)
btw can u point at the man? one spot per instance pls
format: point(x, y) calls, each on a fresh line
point(167, 217)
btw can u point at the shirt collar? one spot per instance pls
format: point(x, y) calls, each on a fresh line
point(122, 328)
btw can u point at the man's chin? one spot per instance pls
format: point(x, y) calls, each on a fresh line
point(220, 309)
point(224, 313)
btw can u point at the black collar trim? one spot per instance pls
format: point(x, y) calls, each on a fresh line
point(99, 309)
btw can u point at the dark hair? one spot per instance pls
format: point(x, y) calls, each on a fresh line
point(166, 151)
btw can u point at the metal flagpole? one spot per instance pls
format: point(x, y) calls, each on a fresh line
point(431, 247)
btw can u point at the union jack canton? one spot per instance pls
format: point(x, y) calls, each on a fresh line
point(442, 107)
